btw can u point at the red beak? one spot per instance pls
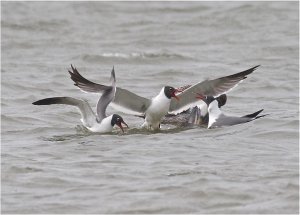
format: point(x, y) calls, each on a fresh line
point(121, 127)
point(176, 97)
point(200, 96)
point(125, 124)
point(178, 90)
point(174, 94)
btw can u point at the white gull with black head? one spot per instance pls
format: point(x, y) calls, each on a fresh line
point(166, 101)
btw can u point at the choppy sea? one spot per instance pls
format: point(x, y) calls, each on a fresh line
point(49, 164)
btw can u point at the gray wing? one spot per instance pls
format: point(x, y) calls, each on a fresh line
point(85, 84)
point(124, 100)
point(187, 98)
point(107, 96)
point(130, 103)
point(225, 120)
point(88, 116)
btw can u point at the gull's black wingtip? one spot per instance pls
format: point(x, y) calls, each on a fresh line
point(261, 116)
point(254, 68)
point(113, 74)
point(40, 102)
point(243, 74)
point(50, 101)
point(113, 71)
point(254, 115)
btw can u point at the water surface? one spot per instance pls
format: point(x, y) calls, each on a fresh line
point(51, 165)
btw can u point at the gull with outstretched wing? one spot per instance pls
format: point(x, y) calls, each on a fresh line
point(167, 101)
point(94, 122)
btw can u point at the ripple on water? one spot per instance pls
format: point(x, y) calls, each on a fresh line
point(134, 57)
point(50, 164)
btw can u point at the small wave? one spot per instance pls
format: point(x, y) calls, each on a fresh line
point(284, 135)
point(24, 169)
point(82, 132)
point(14, 120)
point(184, 173)
point(61, 138)
point(40, 25)
point(134, 56)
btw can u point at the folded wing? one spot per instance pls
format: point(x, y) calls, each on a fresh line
point(225, 120)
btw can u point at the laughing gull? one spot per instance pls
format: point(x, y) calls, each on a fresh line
point(94, 122)
point(166, 101)
point(216, 118)
point(197, 115)
point(151, 109)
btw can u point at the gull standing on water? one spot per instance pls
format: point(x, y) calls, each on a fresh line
point(94, 122)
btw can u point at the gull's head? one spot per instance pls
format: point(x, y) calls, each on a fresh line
point(171, 92)
point(221, 100)
point(118, 120)
point(209, 99)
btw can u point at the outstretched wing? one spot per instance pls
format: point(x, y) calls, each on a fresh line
point(88, 116)
point(130, 103)
point(84, 84)
point(187, 98)
point(124, 100)
point(106, 98)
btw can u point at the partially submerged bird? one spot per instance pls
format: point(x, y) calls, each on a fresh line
point(153, 110)
point(216, 118)
point(197, 115)
point(94, 122)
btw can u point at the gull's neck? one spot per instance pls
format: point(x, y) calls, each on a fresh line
point(161, 99)
point(214, 112)
point(159, 107)
point(162, 95)
point(104, 126)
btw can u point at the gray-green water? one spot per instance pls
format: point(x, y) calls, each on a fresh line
point(50, 165)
